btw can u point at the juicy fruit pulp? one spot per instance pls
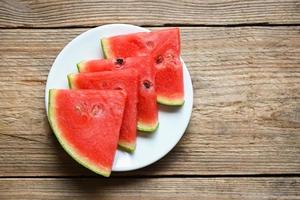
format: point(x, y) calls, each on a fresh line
point(147, 119)
point(163, 46)
point(126, 80)
point(87, 124)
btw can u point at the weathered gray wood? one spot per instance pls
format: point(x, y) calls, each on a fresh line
point(57, 13)
point(157, 188)
point(246, 117)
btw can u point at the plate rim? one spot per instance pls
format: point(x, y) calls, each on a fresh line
point(185, 70)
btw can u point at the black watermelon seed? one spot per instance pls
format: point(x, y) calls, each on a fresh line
point(119, 61)
point(147, 84)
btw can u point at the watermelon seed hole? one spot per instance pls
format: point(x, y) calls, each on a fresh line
point(159, 59)
point(104, 84)
point(170, 56)
point(96, 110)
point(77, 108)
point(118, 87)
point(150, 44)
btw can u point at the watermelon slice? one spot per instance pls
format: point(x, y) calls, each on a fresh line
point(163, 46)
point(87, 124)
point(147, 119)
point(126, 80)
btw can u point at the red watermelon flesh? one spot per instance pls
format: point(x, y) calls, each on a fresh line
point(163, 46)
point(126, 80)
point(87, 124)
point(147, 119)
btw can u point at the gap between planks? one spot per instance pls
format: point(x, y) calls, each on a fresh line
point(264, 24)
point(258, 176)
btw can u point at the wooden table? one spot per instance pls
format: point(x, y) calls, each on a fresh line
point(243, 141)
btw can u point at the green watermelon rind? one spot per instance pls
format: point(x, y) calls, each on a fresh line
point(80, 66)
point(105, 48)
point(170, 102)
point(68, 147)
point(149, 128)
point(71, 86)
point(125, 146)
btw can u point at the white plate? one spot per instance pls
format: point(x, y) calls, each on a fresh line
point(173, 121)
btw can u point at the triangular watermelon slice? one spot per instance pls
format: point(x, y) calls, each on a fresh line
point(163, 46)
point(147, 119)
point(87, 124)
point(126, 80)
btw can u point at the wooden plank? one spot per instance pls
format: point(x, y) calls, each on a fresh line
point(246, 116)
point(151, 188)
point(57, 13)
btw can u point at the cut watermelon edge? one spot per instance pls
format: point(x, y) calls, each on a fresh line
point(126, 146)
point(80, 66)
point(169, 101)
point(68, 147)
point(105, 48)
point(147, 127)
point(70, 81)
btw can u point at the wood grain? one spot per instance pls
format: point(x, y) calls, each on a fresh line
point(246, 115)
point(57, 13)
point(155, 189)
